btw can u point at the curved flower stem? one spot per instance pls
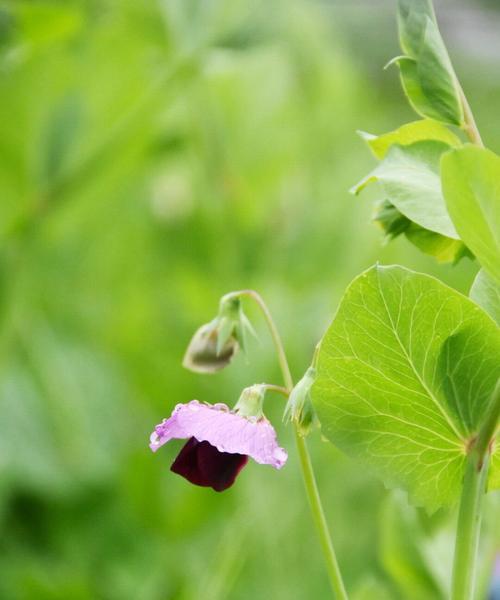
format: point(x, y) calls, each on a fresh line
point(278, 344)
point(305, 460)
point(276, 388)
point(469, 516)
point(320, 519)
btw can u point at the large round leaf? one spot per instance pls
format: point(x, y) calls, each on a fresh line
point(405, 374)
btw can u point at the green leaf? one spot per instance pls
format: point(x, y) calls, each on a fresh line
point(426, 71)
point(404, 377)
point(409, 176)
point(416, 131)
point(427, 102)
point(391, 220)
point(412, 18)
point(437, 78)
point(486, 292)
point(442, 248)
point(471, 187)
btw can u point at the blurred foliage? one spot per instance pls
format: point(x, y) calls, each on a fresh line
point(153, 156)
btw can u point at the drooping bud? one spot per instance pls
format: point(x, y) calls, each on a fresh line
point(299, 408)
point(205, 354)
point(214, 344)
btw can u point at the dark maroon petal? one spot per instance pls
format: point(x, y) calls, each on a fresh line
point(204, 465)
point(186, 463)
point(219, 468)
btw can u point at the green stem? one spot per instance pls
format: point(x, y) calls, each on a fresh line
point(305, 460)
point(278, 344)
point(319, 519)
point(476, 469)
point(469, 516)
point(470, 126)
point(276, 388)
point(468, 528)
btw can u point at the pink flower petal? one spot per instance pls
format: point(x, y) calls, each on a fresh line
point(227, 431)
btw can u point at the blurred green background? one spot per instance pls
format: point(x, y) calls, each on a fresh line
point(153, 156)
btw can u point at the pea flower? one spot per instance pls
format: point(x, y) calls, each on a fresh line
point(220, 440)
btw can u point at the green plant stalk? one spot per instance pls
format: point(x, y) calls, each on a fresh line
point(469, 516)
point(468, 528)
point(304, 458)
point(476, 470)
point(469, 125)
point(320, 519)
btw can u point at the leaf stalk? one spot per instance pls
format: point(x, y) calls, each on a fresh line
point(469, 515)
point(468, 528)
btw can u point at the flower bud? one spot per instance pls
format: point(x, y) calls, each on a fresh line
point(204, 354)
point(214, 345)
point(299, 408)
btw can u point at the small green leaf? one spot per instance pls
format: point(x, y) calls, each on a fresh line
point(485, 291)
point(391, 220)
point(426, 71)
point(404, 377)
point(408, 72)
point(416, 131)
point(412, 18)
point(471, 187)
point(437, 78)
point(409, 176)
point(412, 86)
point(442, 248)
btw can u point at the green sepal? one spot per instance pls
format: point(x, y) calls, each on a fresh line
point(251, 401)
point(299, 408)
point(225, 331)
